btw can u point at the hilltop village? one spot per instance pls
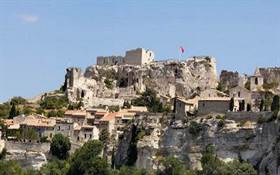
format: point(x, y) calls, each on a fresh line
point(162, 108)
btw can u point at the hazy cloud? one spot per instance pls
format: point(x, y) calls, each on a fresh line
point(29, 18)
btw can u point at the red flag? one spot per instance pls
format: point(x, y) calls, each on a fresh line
point(182, 49)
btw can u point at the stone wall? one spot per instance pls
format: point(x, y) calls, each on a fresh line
point(206, 107)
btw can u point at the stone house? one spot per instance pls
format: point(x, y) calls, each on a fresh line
point(45, 127)
point(213, 105)
point(64, 126)
point(76, 116)
point(85, 133)
point(182, 107)
point(240, 93)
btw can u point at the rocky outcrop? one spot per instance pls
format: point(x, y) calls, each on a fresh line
point(229, 79)
point(241, 139)
point(168, 78)
point(271, 76)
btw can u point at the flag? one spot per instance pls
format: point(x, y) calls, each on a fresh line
point(182, 49)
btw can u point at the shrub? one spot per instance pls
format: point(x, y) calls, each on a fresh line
point(113, 108)
point(54, 102)
point(18, 101)
point(221, 124)
point(108, 83)
point(195, 128)
point(220, 117)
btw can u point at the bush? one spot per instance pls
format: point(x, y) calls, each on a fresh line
point(113, 108)
point(18, 101)
point(54, 102)
point(150, 100)
point(4, 110)
point(220, 117)
point(108, 83)
point(195, 128)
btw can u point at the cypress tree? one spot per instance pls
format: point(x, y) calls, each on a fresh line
point(275, 106)
point(13, 112)
point(231, 104)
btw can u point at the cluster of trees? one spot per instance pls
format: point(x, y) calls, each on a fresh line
point(151, 101)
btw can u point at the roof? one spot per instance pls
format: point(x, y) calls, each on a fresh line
point(14, 126)
point(100, 113)
point(215, 99)
point(188, 102)
point(109, 116)
point(96, 110)
point(31, 120)
point(75, 113)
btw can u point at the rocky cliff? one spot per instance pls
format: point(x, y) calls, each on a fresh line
point(110, 85)
point(242, 139)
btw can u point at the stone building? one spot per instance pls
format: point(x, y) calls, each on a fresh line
point(240, 92)
point(213, 105)
point(183, 107)
point(109, 60)
point(256, 81)
point(137, 56)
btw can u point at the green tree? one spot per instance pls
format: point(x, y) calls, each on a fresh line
point(18, 101)
point(173, 166)
point(261, 105)
point(5, 110)
point(55, 167)
point(221, 87)
point(104, 136)
point(13, 112)
point(60, 146)
point(150, 100)
point(88, 160)
point(53, 102)
point(275, 105)
point(26, 110)
point(10, 168)
point(195, 128)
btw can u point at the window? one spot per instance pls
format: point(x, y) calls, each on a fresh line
point(256, 81)
point(239, 94)
point(85, 136)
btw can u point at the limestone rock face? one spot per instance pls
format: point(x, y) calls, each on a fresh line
point(168, 78)
point(271, 75)
point(257, 143)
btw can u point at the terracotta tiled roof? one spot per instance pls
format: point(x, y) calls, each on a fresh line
point(109, 116)
point(215, 99)
point(75, 113)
